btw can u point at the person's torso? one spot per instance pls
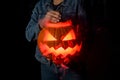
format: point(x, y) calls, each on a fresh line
point(68, 8)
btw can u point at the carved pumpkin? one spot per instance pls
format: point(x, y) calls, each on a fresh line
point(58, 42)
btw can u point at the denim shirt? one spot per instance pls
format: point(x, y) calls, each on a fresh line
point(69, 9)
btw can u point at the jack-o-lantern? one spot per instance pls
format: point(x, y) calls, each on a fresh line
point(59, 41)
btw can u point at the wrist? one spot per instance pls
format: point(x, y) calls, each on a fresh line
point(40, 23)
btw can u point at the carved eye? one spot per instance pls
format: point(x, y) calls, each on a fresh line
point(70, 36)
point(48, 36)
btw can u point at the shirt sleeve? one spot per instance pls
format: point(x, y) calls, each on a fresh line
point(32, 28)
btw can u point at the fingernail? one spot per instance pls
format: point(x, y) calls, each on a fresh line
point(57, 20)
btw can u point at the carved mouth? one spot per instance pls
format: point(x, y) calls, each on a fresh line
point(59, 51)
point(63, 44)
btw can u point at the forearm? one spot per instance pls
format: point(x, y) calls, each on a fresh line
point(32, 28)
point(32, 31)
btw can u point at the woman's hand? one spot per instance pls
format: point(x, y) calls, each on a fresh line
point(50, 17)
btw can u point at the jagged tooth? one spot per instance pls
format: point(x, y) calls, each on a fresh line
point(65, 45)
point(57, 46)
point(71, 43)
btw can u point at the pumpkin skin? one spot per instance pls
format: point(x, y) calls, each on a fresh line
point(59, 42)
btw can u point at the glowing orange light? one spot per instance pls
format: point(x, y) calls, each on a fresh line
point(59, 25)
point(58, 33)
point(48, 36)
point(60, 51)
point(70, 36)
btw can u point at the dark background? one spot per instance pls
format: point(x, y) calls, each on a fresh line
point(98, 60)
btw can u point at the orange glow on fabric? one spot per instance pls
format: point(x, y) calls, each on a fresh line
point(59, 24)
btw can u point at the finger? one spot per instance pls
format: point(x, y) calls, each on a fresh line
point(54, 14)
point(54, 20)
